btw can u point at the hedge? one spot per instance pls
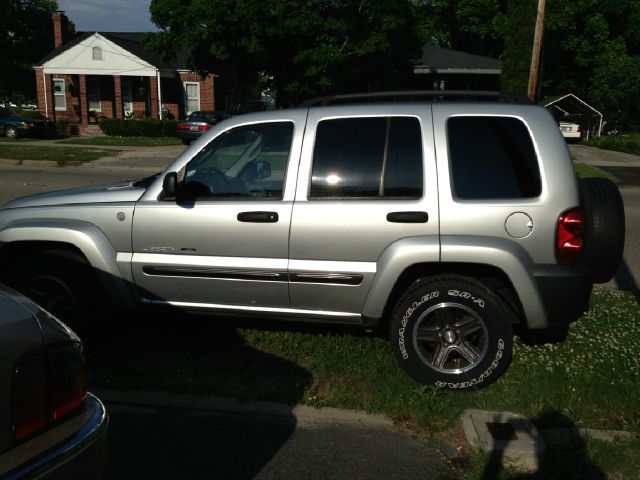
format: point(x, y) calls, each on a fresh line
point(116, 127)
point(620, 143)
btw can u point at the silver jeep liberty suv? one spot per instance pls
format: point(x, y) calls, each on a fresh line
point(445, 219)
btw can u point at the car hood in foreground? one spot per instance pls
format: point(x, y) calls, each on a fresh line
point(118, 192)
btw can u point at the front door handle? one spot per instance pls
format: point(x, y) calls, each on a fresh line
point(258, 217)
point(407, 217)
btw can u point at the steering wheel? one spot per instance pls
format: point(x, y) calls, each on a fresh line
point(209, 178)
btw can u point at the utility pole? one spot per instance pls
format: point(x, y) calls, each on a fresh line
point(535, 54)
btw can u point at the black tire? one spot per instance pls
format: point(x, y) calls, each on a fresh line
point(452, 332)
point(186, 141)
point(604, 227)
point(62, 283)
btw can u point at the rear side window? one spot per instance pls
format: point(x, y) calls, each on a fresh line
point(367, 158)
point(492, 158)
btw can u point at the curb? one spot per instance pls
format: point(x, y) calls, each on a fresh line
point(302, 414)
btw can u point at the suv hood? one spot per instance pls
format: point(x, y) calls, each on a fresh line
point(117, 192)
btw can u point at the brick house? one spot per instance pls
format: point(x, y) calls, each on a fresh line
point(90, 75)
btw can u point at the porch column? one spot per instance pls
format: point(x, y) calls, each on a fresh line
point(117, 89)
point(82, 99)
point(153, 89)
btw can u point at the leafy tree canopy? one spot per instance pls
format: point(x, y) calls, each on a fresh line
point(312, 47)
point(26, 35)
point(302, 48)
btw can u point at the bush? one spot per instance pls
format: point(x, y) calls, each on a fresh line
point(35, 114)
point(61, 128)
point(116, 127)
point(620, 143)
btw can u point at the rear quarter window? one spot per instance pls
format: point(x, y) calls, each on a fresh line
point(492, 158)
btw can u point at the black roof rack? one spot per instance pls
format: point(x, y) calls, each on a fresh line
point(414, 95)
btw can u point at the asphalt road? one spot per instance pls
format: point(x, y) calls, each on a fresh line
point(169, 443)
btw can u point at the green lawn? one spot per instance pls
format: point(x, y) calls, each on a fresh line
point(591, 379)
point(125, 141)
point(61, 155)
point(586, 171)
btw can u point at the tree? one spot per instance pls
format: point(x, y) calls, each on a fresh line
point(518, 44)
point(592, 49)
point(303, 48)
point(26, 35)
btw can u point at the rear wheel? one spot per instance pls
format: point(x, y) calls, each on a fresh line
point(452, 332)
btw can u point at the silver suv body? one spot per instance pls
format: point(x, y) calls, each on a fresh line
point(448, 221)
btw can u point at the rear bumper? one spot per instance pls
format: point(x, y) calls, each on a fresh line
point(565, 292)
point(74, 449)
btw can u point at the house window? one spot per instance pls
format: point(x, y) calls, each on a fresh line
point(191, 97)
point(59, 94)
point(93, 94)
point(96, 53)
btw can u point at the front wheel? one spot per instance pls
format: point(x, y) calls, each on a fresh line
point(452, 332)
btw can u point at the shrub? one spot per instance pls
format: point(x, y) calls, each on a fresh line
point(61, 128)
point(116, 127)
point(620, 143)
point(29, 113)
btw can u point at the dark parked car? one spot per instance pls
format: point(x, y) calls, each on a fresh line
point(13, 125)
point(198, 123)
point(50, 427)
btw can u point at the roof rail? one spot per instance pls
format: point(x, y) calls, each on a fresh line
point(413, 95)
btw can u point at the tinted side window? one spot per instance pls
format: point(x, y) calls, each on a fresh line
point(249, 161)
point(492, 157)
point(367, 158)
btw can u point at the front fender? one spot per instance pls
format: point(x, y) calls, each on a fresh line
point(88, 238)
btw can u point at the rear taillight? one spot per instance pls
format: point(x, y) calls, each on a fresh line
point(204, 127)
point(48, 386)
point(569, 237)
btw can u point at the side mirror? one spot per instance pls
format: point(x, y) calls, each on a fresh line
point(169, 184)
point(263, 170)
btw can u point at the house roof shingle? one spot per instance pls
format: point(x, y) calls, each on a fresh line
point(437, 58)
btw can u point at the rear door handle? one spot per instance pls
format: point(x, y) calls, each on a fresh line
point(407, 217)
point(258, 217)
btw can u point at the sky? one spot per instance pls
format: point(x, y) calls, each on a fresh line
point(109, 15)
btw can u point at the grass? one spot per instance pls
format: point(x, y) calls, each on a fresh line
point(629, 143)
point(591, 379)
point(125, 141)
point(587, 171)
point(61, 155)
point(14, 140)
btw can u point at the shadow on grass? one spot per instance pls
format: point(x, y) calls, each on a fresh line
point(566, 456)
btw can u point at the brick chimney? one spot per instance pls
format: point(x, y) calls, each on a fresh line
point(60, 28)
